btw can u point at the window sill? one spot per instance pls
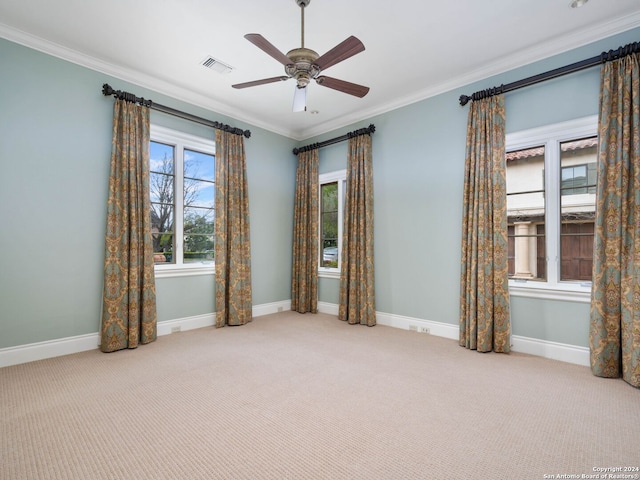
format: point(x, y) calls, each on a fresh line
point(328, 273)
point(168, 271)
point(570, 292)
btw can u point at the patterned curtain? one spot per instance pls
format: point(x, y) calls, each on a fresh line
point(484, 284)
point(232, 245)
point(304, 284)
point(129, 295)
point(357, 296)
point(615, 299)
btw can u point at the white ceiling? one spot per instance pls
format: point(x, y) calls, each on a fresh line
point(414, 49)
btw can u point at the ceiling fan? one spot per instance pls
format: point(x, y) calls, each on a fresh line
point(304, 65)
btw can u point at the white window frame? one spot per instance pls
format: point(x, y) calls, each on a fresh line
point(339, 176)
point(550, 136)
point(181, 141)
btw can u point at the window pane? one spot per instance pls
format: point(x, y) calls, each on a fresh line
point(161, 188)
point(525, 214)
point(511, 250)
point(329, 225)
point(161, 191)
point(577, 208)
point(199, 165)
point(199, 194)
point(161, 180)
point(198, 220)
point(574, 180)
point(330, 240)
point(199, 201)
point(161, 158)
point(162, 233)
point(198, 234)
point(330, 197)
point(576, 247)
point(198, 248)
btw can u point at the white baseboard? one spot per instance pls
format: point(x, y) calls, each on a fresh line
point(269, 308)
point(81, 343)
point(533, 346)
point(328, 308)
point(438, 329)
point(398, 321)
point(188, 323)
point(48, 349)
point(553, 350)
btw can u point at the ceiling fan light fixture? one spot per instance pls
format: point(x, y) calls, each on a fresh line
point(303, 80)
point(300, 99)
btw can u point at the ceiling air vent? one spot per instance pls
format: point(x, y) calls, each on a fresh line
point(216, 65)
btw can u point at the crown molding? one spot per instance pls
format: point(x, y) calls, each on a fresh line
point(525, 57)
point(130, 75)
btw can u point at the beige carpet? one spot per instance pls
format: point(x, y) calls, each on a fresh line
point(294, 396)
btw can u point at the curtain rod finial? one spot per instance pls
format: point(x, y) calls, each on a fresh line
point(107, 90)
point(464, 99)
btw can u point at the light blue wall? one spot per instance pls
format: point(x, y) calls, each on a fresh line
point(55, 135)
point(55, 143)
point(418, 157)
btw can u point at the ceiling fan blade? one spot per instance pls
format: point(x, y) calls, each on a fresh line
point(340, 52)
point(264, 81)
point(264, 45)
point(300, 99)
point(342, 86)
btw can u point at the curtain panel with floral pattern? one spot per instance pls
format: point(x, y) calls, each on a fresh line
point(232, 244)
point(304, 275)
point(615, 299)
point(484, 284)
point(129, 295)
point(357, 279)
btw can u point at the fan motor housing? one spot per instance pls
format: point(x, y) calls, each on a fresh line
point(302, 55)
point(302, 66)
point(303, 3)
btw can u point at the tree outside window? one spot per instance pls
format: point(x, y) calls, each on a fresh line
point(332, 187)
point(182, 191)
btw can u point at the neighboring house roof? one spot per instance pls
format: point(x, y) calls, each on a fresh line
point(565, 147)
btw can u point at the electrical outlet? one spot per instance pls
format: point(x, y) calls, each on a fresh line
point(413, 328)
point(424, 330)
point(176, 329)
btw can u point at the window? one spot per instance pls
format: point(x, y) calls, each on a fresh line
point(578, 179)
point(551, 197)
point(182, 191)
point(332, 186)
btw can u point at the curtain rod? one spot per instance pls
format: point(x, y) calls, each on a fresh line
point(130, 97)
point(356, 133)
point(558, 72)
